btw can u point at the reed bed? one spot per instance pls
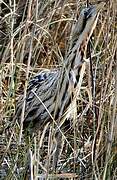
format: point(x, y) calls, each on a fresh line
point(34, 35)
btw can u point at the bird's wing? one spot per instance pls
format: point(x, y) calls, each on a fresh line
point(44, 85)
point(41, 78)
point(43, 81)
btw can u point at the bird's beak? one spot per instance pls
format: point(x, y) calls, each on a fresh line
point(99, 6)
point(93, 10)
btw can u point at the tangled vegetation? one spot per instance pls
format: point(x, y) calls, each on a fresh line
point(34, 35)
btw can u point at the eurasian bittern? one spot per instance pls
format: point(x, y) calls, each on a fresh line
point(50, 92)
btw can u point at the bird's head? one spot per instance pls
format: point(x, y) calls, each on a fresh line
point(87, 20)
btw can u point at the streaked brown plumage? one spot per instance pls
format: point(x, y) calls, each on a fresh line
point(53, 87)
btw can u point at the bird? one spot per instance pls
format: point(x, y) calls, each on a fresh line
point(50, 92)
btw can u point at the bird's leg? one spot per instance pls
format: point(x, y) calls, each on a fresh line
point(58, 137)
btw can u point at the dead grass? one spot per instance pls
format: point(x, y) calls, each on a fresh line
point(34, 35)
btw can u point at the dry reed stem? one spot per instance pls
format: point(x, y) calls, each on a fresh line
point(33, 41)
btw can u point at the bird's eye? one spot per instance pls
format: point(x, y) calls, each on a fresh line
point(88, 12)
point(85, 13)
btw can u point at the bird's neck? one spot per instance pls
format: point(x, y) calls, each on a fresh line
point(75, 56)
point(78, 45)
